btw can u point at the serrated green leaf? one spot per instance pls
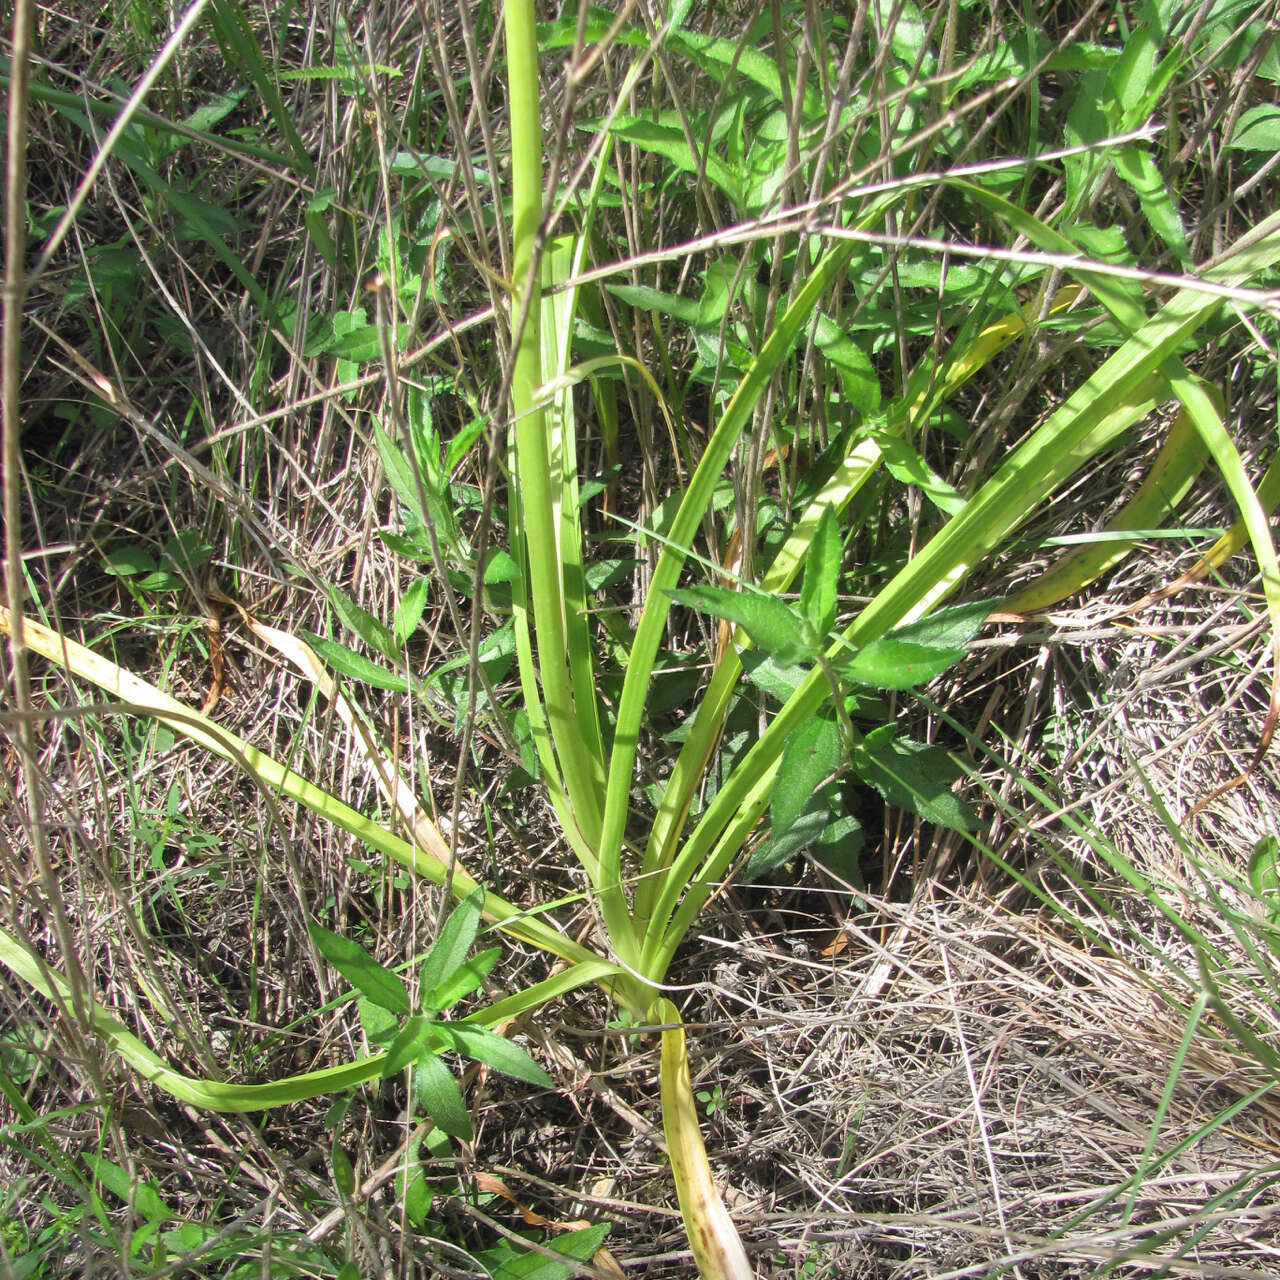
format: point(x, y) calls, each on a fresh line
point(409, 611)
point(914, 777)
point(812, 754)
point(355, 665)
point(888, 663)
point(463, 981)
point(774, 678)
point(495, 1051)
point(914, 654)
point(822, 573)
point(409, 1045)
point(451, 947)
point(499, 568)
point(361, 623)
point(360, 969)
point(439, 1096)
point(773, 625)
point(952, 627)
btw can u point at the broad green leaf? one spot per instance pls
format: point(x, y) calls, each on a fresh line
point(898, 664)
point(773, 625)
point(822, 574)
point(126, 562)
point(160, 582)
point(495, 1051)
point(203, 119)
point(360, 622)
point(409, 611)
point(463, 981)
point(415, 164)
point(774, 678)
point(379, 1026)
point(344, 1175)
point(857, 374)
point(397, 469)
point(412, 1187)
point(187, 550)
point(408, 1045)
point(669, 140)
point(362, 343)
point(507, 1260)
point(913, 776)
point(438, 1094)
point(952, 627)
point(460, 445)
point(645, 298)
point(908, 467)
point(360, 969)
point(451, 947)
point(1141, 172)
point(914, 654)
point(812, 754)
point(147, 1202)
point(839, 850)
point(1258, 129)
point(500, 567)
point(112, 1176)
point(1264, 873)
point(831, 835)
point(355, 665)
point(723, 284)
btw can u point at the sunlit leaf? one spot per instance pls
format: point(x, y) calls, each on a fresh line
point(773, 625)
point(495, 1051)
point(360, 969)
point(451, 947)
point(438, 1094)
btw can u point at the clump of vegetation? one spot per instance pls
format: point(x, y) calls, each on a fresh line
point(586, 486)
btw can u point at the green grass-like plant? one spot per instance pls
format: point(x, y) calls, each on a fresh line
point(820, 665)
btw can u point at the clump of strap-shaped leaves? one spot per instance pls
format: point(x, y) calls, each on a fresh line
point(903, 636)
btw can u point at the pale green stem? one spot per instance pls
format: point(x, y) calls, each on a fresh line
point(583, 777)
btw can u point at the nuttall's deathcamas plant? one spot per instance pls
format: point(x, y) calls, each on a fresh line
point(814, 667)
